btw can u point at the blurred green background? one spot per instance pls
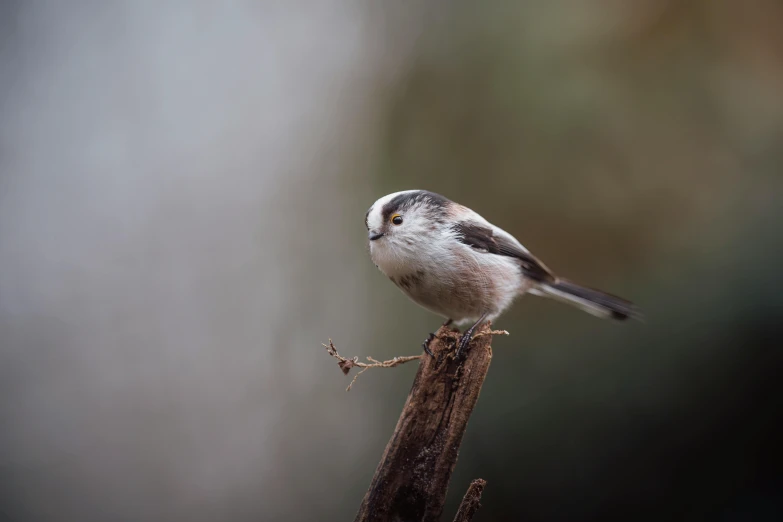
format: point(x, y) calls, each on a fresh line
point(181, 225)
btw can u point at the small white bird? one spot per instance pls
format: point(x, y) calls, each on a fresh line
point(453, 262)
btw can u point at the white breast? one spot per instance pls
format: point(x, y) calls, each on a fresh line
point(450, 278)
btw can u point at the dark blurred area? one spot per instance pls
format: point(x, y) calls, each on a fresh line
point(182, 193)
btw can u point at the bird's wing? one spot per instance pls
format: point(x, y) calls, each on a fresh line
point(485, 239)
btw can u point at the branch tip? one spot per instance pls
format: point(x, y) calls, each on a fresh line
point(471, 502)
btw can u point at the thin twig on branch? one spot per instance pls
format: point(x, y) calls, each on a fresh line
point(471, 501)
point(346, 364)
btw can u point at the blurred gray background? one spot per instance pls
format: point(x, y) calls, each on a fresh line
point(182, 194)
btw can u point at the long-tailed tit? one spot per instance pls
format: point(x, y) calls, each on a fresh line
point(453, 262)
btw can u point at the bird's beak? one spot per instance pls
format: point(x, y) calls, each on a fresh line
point(375, 235)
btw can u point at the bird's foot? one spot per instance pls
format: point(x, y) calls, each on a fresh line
point(426, 344)
point(463, 344)
point(464, 341)
point(428, 340)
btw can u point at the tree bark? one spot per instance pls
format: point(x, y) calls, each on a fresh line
point(411, 480)
point(471, 501)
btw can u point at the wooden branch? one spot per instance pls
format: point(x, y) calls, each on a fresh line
point(411, 480)
point(470, 502)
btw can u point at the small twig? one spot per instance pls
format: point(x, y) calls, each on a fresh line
point(470, 502)
point(491, 332)
point(346, 364)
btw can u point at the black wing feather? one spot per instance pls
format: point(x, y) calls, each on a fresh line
point(482, 238)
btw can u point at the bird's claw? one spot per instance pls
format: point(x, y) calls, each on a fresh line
point(426, 344)
point(464, 342)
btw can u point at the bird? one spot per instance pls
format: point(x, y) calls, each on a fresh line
point(451, 261)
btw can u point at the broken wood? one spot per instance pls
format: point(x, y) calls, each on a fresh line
point(413, 475)
point(471, 501)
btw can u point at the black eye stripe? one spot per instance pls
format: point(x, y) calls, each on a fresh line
point(435, 202)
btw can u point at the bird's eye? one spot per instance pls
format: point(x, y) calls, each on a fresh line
point(396, 219)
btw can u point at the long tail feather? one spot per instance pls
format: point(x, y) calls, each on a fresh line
point(590, 300)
